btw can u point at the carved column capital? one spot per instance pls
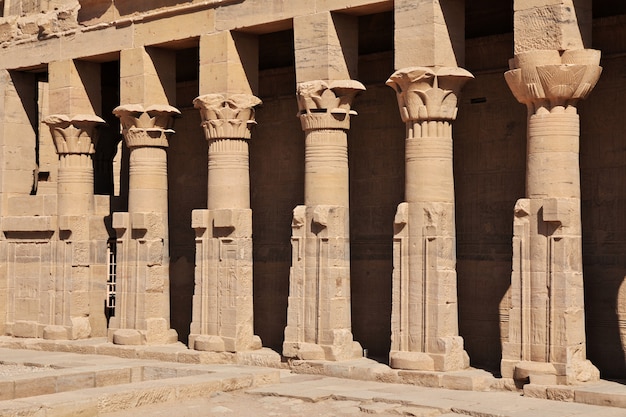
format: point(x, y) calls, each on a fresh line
point(74, 135)
point(547, 80)
point(227, 116)
point(149, 127)
point(327, 104)
point(428, 93)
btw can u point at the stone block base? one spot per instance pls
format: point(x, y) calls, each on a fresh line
point(312, 351)
point(21, 328)
point(546, 373)
point(211, 343)
point(451, 357)
point(134, 337)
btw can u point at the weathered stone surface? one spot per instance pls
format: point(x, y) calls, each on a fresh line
point(424, 316)
point(546, 340)
point(143, 310)
point(318, 316)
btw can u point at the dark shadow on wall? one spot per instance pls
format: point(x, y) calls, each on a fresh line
point(376, 159)
point(187, 179)
point(489, 170)
point(277, 187)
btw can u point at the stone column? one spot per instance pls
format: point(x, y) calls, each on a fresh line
point(222, 317)
point(142, 311)
point(75, 139)
point(318, 316)
point(424, 327)
point(546, 340)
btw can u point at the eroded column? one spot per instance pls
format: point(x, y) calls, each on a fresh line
point(142, 311)
point(75, 139)
point(424, 324)
point(318, 316)
point(222, 303)
point(546, 339)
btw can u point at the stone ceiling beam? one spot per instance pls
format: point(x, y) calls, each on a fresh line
point(229, 63)
point(429, 33)
point(552, 24)
point(326, 47)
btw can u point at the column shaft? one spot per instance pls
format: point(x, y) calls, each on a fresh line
point(546, 340)
point(552, 162)
point(73, 314)
point(142, 313)
point(318, 315)
point(229, 175)
point(147, 180)
point(326, 168)
point(222, 317)
point(424, 305)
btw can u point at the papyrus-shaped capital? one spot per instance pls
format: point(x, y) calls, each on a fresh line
point(74, 135)
point(327, 105)
point(549, 79)
point(227, 116)
point(428, 93)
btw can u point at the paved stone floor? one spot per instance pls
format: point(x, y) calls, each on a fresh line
point(306, 395)
point(81, 385)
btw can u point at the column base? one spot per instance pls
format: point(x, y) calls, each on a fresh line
point(312, 351)
point(80, 329)
point(210, 343)
point(547, 373)
point(453, 357)
point(134, 337)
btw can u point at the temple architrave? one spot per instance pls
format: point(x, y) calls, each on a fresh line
point(437, 185)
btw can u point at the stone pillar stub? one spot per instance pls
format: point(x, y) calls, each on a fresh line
point(147, 76)
point(424, 329)
point(552, 24)
point(74, 87)
point(318, 314)
point(222, 317)
point(429, 33)
point(546, 341)
point(229, 63)
point(142, 314)
point(325, 46)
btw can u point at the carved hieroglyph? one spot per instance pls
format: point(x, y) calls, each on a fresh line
point(318, 315)
point(424, 322)
point(546, 339)
point(142, 311)
point(222, 317)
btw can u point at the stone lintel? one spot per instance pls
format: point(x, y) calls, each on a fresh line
point(227, 116)
point(327, 104)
